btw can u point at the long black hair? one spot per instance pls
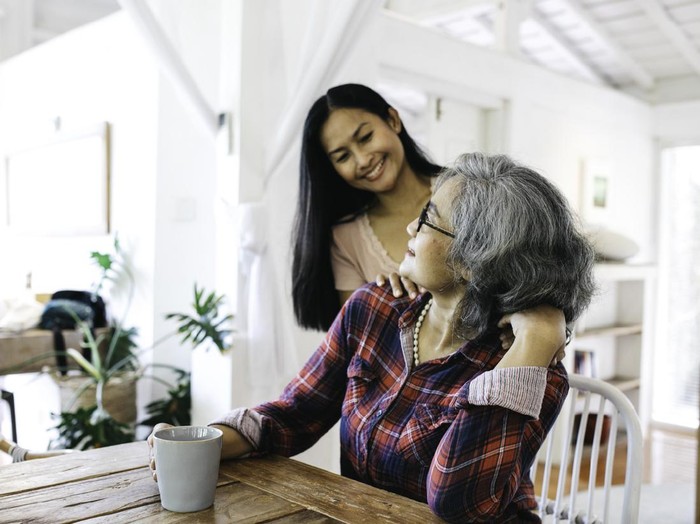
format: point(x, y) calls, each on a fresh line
point(324, 198)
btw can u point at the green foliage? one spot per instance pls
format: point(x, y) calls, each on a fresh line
point(112, 265)
point(205, 324)
point(87, 428)
point(122, 348)
point(84, 428)
point(175, 408)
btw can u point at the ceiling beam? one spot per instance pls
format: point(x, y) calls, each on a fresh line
point(564, 48)
point(170, 62)
point(506, 24)
point(428, 12)
point(15, 27)
point(637, 72)
point(42, 34)
point(673, 32)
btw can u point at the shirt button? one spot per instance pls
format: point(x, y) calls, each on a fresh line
point(379, 413)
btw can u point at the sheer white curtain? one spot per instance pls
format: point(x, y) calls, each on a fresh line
point(331, 32)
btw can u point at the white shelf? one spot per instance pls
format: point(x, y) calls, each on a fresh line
point(610, 331)
point(617, 330)
point(618, 272)
point(625, 383)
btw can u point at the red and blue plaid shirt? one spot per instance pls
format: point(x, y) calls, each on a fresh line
point(412, 430)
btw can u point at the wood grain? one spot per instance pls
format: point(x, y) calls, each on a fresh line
point(38, 474)
point(81, 499)
point(114, 485)
point(235, 502)
point(316, 488)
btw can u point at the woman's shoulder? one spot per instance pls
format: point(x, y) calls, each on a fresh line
point(351, 232)
point(372, 300)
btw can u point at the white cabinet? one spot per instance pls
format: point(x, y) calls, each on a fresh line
point(613, 340)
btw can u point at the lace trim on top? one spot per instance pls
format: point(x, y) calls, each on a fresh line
point(369, 234)
point(371, 237)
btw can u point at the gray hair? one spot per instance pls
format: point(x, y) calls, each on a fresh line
point(517, 239)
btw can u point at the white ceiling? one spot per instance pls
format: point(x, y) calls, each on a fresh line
point(26, 23)
point(649, 48)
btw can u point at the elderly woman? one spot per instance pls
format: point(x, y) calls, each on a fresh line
point(430, 404)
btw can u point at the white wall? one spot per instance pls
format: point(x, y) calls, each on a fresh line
point(98, 73)
point(164, 171)
point(678, 123)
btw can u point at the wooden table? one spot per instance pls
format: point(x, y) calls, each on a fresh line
point(114, 485)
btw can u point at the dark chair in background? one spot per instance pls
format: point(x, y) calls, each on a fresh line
point(10, 399)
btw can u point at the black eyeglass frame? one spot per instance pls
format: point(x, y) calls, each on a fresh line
point(423, 219)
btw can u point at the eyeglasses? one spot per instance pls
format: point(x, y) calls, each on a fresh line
point(423, 219)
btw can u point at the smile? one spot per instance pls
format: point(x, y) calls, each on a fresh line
point(376, 172)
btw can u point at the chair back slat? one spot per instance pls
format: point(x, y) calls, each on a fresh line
point(609, 465)
point(560, 510)
point(578, 453)
point(597, 400)
point(595, 453)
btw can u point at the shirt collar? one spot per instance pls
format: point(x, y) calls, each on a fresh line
point(481, 351)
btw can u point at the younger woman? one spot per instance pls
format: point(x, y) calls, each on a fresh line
point(362, 180)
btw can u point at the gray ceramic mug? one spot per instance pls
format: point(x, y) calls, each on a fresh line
point(187, 464)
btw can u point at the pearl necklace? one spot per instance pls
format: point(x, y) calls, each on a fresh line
point(416, 331)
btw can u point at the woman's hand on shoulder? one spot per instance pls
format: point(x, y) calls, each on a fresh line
point(399, 285)
point(540, 336)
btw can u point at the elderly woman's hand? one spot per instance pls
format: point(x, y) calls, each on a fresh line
point(399, 284)
point(151, 451)
point(540, 337)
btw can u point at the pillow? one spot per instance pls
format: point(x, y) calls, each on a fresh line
point(610, 245)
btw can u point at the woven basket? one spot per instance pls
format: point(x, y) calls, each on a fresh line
point(119, 395)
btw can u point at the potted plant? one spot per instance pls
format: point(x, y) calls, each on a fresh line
point(99, 399)
point(99, 418)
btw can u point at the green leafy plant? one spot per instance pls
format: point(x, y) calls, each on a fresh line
point(113, 267)
point(87, 428)
point(205, 324)
point(82, 427)
point(175, 408)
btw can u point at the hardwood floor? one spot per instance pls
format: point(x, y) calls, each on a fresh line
point(669, 458)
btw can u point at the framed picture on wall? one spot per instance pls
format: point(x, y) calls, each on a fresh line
point(61, 186)
point(595, 182)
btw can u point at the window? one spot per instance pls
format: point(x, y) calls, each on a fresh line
point(677, 355)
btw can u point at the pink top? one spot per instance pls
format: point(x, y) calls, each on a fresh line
point(357, 255)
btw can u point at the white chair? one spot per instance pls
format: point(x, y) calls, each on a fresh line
point(20, 454)
point(590, 396)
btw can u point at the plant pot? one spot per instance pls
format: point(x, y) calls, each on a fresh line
point(118, 395)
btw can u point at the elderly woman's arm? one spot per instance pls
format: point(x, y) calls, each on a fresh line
point(308, 407)
point(506, 415)
point(481, 460)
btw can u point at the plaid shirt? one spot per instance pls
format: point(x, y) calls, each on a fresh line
point(416, 431)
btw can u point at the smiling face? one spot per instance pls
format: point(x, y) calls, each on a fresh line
point(364, 149)
point(425, 262)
